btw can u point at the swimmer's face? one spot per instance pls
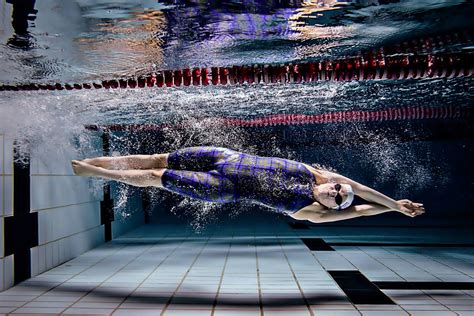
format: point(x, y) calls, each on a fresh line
point(326, 194)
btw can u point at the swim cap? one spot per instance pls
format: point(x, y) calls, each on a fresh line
point(349, 198)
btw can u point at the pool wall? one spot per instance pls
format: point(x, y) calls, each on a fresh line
point(6, 207)
point(62, 218)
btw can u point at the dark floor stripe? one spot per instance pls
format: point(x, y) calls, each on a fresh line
point(107, 205)
point(397, 285)
point(317, 244)
point(298, 226)
point(21, 229)
point(359, 289)
point(388, 244)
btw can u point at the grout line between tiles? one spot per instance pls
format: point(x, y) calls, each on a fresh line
point(296, 279)
point(388, 250)
point(440, 303)
point(183, 278)
point(220, 280)
point(376, 259)
point(38, 210)
point(431, 258)
point(105, 279)
point(467, 262)
point(260, 302)
point(66, 280)
point(401, 258)
point(68, 236)
point(151, 273)
point(354, 305)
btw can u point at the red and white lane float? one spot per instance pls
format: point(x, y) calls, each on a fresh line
point(364, 67)
point(390, 114)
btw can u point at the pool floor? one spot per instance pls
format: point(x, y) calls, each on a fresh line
point(154, 270)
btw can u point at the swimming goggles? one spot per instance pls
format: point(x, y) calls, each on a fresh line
point(338, 197)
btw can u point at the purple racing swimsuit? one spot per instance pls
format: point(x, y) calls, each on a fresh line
point(222, 175)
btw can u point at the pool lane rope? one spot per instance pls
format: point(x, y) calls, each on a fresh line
point(390, 114)
point(366, 67)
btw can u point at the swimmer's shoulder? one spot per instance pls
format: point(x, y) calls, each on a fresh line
point(320, 175)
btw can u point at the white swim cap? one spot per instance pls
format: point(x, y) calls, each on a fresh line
point(349, 198)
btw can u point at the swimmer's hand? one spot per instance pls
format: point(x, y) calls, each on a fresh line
point(410, 208)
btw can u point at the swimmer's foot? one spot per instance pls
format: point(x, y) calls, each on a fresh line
point(103, 162)
point(81, 168)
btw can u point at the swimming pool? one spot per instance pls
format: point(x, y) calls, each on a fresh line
point(384, 126)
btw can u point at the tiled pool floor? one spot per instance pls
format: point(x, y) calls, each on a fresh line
point(153, 271)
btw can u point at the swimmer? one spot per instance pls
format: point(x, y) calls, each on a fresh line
point(217, 174)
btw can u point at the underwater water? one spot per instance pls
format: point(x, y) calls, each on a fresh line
point(80, 41)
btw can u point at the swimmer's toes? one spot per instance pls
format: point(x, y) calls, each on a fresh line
point(74, 166)
point(78, 168)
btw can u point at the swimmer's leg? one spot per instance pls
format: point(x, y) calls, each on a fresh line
point(199, 158)
point(155, 161)
point(139, 178)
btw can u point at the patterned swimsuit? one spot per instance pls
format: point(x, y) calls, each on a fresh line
point(222, 175)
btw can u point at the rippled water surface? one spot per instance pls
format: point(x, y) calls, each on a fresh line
point(92, 39)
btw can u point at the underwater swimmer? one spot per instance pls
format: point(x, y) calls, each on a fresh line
point(217, 174)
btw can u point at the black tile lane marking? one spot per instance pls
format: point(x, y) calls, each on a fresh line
point(21, 229)
point(298, 226)
point(388, 244)
point(359, 289)
point(107, 213)
point(317, 244)
point(405, 285)
point(107, 205)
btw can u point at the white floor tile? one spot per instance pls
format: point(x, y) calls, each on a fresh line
point(126, 268)
point(6, 309)
point(432, 313)
point(469, 307)
point(236, 313)
point(7, 195)
point(38, 310)
point(424, 307)
point(462, 301)
point(384, 312)
point(11, 303)
point(1, 154)
point(47, 304)
point(336, 313)
point(95, 305)
point(286, 312)
point(2, 199)
point(178, 312)
point(88, 311)
point(8, 155)
point(464, 313)
point(337, 307)
point(136, 312)
point(379, 307)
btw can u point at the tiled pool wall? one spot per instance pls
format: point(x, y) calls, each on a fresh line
point(6, 207)
point(64, 217)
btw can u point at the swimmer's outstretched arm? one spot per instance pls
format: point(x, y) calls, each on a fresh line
point(317, 213)
point(404, 206)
